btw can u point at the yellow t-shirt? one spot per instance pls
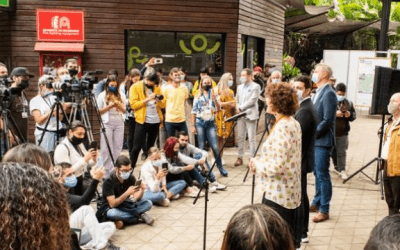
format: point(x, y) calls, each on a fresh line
point(175, 103)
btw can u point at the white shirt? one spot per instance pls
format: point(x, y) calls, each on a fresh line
point(386, 144)
point(43, 105)
point(151, 110)
point(101, 102)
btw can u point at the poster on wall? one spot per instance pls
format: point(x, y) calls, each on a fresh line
point(365, 78)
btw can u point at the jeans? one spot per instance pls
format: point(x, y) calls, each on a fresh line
point(94, 234)
point(211, 174)
point(172, 128)
point(115, 135)
point(174, 187)
point(339, 153)
point(49, 139)
point(303, 211)
point(145, 133)
point(129, 212)
point(206, 130)
point(323, 183)
point(245, 125)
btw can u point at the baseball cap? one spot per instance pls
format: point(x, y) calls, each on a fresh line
point(21, 71)
point(257, 69)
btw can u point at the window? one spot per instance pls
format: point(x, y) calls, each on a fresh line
point(177, 49)
point(252, 52)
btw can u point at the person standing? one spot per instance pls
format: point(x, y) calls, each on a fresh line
point(175, 98)
point(391, 161)
point(344, 115)
point(204, 71)
point(325, 102)
point(247, 95)
point(279, 165)
point(307, 116)
point(112, 107)
point(228, 103)
point(147, 107)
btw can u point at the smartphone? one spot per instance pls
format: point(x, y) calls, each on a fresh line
point(138, 183)
point(165, 165)
point(93, 145)
point(158, 61)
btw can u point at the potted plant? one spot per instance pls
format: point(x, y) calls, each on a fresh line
point(331, 15)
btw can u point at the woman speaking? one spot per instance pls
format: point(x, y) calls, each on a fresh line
point(279, 166)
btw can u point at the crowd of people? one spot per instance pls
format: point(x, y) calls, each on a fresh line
point(178, 126)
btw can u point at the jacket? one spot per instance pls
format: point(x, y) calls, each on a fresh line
point(393, 161)
point(250, 96)
point(137, 95)
point(343, 123)
point(308, 119)
point(325, 105)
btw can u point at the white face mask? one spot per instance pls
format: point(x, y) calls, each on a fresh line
point(392, 108)
point(242, 79)
point(315, 78)
point(230, 83)
point(300, 95)
point(182, 77)
point(276, 80)
point(340, 98)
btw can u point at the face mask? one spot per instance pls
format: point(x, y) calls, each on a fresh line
point(181, 147)
point(340, 98)
point(392, 108)
point(112, 89)
point(76, 141)
point(300, 95)
point(156, 163)
point(277, 80)
point(182, 78)
point(65, 78)
point(242, 79)
point(149, 87)
point(24, 84)
point(70, 181)
point(315, 78)
point(207, 87)
point(47, 92)
point(176, 153)
point(125, 175)
point(230, 83)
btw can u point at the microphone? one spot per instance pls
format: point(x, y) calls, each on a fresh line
point(235, 117)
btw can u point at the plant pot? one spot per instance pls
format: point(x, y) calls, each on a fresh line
point(331, 19)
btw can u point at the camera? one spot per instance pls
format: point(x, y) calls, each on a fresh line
point(160, 97)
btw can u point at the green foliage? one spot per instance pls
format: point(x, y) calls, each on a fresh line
point(288, 71)
point(332, 13)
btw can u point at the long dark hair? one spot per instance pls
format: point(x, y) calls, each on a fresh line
point(112, 78)
point(29, 153)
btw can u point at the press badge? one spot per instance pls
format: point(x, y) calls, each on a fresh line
point(24, 114)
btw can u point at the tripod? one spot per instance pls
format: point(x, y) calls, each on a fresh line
point(248, 168)
point(6, 119)
point(205, 185)
point(55, 106)
point(379, 172)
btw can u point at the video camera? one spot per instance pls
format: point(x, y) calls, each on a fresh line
point(6, 91)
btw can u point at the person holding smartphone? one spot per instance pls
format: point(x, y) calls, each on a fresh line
point(71, 150)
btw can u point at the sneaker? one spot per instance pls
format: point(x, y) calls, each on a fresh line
point(343, 175)
point(164, 203)
point(147, 219)
point(304, 240)
point(175, 197)
point(238, 162)
point(212, 189)
point(111, 246)
point(144, 157)
point(218, 186)
point(223, 172)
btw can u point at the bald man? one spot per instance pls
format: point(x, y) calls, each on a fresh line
point(391, 156)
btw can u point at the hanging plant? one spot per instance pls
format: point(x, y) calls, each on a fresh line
point(332, 15)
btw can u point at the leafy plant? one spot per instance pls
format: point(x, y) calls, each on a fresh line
point(332, 13)
point(288, 70)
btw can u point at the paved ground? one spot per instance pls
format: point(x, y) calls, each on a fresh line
point(355, 208)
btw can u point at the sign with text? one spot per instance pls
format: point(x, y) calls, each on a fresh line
point(60, 25)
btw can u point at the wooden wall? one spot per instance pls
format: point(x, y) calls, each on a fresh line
point(105, 22)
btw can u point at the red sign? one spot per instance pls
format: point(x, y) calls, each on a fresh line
point(60, 25)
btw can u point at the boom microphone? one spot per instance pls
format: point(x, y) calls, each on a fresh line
point(235, 117)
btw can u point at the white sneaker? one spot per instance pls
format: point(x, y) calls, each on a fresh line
point(164, 203)
point(343, 175)
point(304, 240)
point(218, 186)
point(212, 189)
point(175, 197)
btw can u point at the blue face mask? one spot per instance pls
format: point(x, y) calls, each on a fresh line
point(340, 98)
point(112, 89)
point(125, 175)
point(315, 78)
point(70, 181)
point(230, 83)
point(47, 92)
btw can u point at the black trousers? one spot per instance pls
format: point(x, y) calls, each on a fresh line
point(303, 212)
point(131, 124)
point(289, 215)
point(145, 133)
point(392, 193)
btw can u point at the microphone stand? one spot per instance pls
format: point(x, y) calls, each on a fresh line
point(205, 186)
point(248, 168)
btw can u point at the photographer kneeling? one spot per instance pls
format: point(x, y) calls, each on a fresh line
point(40, 109)
point(71, 150)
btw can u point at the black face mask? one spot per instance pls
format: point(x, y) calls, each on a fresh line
point(181, 147)
point(207, 87)
point(24, 84)
point(150, 87)
point(76, 141)
point(176, 153)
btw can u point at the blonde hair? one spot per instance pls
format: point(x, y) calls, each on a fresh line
point(223, 87)
point(326, 68)
point(201, 85)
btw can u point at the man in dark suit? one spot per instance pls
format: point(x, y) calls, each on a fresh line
point(325, 102)
point(308, 119)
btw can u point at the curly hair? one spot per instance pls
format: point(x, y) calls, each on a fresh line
point(169, 147)
point(257, 227)
point(33, 209)
point(29, 153)
point(283, 98)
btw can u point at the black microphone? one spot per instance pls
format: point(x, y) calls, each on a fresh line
point(235, 117)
